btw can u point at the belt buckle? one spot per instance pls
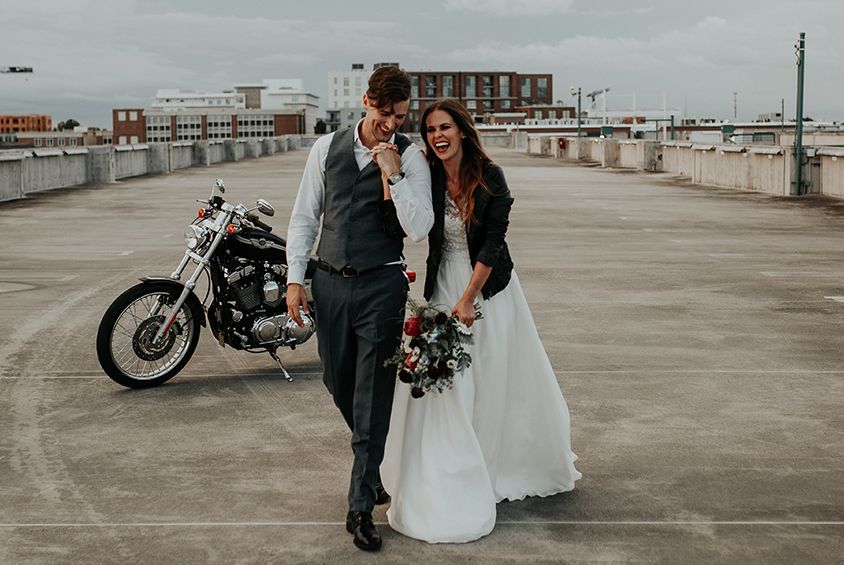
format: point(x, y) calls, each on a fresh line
point(347, 272)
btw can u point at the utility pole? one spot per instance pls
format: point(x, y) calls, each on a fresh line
point(735, 106)
point(576, 92)
point(800, 51)
point(782, 117)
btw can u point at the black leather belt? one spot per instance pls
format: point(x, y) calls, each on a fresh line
point(348, 272)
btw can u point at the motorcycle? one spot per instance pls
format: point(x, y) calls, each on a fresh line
point(149, 333)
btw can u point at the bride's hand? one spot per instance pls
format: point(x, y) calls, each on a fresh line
point(464, 311)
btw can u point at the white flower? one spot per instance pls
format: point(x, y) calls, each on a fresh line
point(451, 364)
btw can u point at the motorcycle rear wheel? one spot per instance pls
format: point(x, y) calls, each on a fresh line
point(125, 346)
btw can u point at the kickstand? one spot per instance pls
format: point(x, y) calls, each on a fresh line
point(287, 376)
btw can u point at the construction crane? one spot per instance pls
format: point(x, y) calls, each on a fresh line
point(15, 69)
point(594, 94)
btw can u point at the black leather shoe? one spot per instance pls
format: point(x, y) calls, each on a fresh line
point(381, 494)
point(360, 525)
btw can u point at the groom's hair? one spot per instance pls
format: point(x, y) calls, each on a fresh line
point(387, 86)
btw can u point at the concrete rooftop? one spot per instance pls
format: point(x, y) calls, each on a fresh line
point(692, 332)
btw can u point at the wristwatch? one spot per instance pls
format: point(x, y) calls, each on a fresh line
point(395, 177)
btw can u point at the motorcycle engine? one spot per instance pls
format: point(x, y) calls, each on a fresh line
point(259, 311)
point(283, 328)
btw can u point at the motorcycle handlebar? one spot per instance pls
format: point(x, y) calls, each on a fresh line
point(254, 219)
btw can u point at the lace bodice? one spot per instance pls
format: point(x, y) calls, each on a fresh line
point(454, 242)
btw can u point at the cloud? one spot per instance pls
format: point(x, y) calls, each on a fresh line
point(511, 7)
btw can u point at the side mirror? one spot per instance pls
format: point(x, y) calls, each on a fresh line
point(265, 207)
point(219, 184)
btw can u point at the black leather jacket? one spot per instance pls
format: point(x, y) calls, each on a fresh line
point(486, 237)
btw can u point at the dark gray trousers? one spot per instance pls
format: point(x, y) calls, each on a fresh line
point(359, 323)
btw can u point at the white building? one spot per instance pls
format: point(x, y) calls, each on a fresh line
point(282, 94)
point(345, 96)
point(171, 99)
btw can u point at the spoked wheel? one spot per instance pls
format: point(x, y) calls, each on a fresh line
point(126, 345)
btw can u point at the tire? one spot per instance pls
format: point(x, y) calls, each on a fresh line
point(124, 338)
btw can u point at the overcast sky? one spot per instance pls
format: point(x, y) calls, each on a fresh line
point(91, 56)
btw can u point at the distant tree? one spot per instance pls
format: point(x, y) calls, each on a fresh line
point(67, 125)
point(320, 127)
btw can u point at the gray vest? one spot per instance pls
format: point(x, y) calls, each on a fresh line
point(352, 229)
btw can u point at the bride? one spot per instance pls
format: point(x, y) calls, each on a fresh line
point(502, 432)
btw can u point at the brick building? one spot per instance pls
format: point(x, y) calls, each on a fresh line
point(14, 124)
point(63, 139)
point(137, 125)
point(483, 93)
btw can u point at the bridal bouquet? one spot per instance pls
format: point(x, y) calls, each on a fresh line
point(432, 349)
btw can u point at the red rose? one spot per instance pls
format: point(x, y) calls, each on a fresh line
point(410, 363)
point(412, 327)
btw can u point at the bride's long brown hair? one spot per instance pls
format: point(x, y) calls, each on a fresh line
point(474, 159)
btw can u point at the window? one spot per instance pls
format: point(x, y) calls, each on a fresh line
point(504, 86)
point(542, 88)
point(357, 81)
point(471, 104)
point(505, 104)
point(345, 92)
point(414, 104)
point(133, 116)
point(538, 115)
point(121, 140)
point(134, 139)
point(38, 142)
point(430, 86)
point(121, 116)
point(488, 105)
point(525, 87)
point(414, 86)
point(345, 81)
point(72, 141)
point(61, 141)
point(49, 142)
point(448, 85)
point(487, 82)
point(552, 114)
point(470, 85)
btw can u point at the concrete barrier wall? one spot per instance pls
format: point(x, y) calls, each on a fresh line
point(130, 162)
point(181, 156)
point(53, 170)
point(752, 167)
point(630, 154)
point(769, 172)
point(678, 158)
point(24, 172)
point(216, 153)
point(497, 140)
point(11, 176)
point(832, 171)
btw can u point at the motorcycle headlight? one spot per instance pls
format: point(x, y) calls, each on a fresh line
point(194, 236)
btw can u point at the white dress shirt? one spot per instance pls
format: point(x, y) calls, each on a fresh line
point(411, 196)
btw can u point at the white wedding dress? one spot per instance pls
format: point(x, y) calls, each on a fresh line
point(501, 433)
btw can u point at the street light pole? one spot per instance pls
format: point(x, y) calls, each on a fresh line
point(577, 92)
point(797, 189)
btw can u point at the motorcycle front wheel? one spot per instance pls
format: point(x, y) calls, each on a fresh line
point(126, 347)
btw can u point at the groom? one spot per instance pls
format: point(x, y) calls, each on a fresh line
point(360, 289)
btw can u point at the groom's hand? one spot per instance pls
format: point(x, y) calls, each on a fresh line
point(386, 156)
point(296, 298)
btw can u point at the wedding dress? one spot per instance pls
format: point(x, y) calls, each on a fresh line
point(502, 432)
